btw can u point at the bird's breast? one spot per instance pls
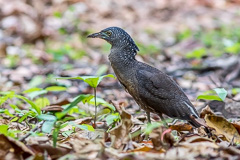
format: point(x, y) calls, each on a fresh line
point(126, 77)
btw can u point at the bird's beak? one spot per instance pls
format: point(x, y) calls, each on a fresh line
point(95, 35)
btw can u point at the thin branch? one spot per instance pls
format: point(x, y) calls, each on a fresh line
point(30, 132)
point(95, 100)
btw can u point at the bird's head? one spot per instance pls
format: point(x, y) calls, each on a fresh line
point(117, 37)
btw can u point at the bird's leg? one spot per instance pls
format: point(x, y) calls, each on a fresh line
point(149, 123)
point(148, 117)
point(163, 120)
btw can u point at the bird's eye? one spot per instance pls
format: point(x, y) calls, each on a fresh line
point(109, 33)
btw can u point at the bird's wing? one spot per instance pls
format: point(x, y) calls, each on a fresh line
point(159, 84)
point(161, 92)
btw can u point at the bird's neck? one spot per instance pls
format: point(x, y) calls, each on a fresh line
point(123, 55)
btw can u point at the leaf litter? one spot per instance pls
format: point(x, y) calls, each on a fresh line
point(32, 50)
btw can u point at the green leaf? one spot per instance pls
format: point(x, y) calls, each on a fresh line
point(102, 69)
point(235, 48)
point(37, 80)
point(103, 103)
point(37, 109)
point(57, 14)
point(64, 125)
point(152, 126)
point(34, 94)
point(92, 81)
point(8, 93)
point(48, 126)
point(6, 96)
point(103, 111)
point(56, 88)
point(108, 75)
point(13, 133)
point(218, 94)
point(197, 53)
point(80, 98)
point(13, 106)
point(6, 111)
point(55, 136)
point(23, 117)
point(86, 127)
point(235, 91)
point(112, 118)
point(32, 90)
point(83, 126)
point(3, 99)
point(67, 133)
point(4, 129)
point(42, 102)
point(209, 97)
point(47, 117)
point(14, 119)
point(221, 92)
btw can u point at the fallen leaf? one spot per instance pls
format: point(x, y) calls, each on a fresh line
point(120, 133)
point(13, 149)
point(206, 111)
point(85, 120)
point(54, 153)
point(146, 149)
point(196, 138)
point(52, 108)
point(222, 126)
point(162, 138)
point(181, 127)
point(85, 148)
point(237, 126)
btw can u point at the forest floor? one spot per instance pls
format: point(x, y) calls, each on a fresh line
point(197, 42)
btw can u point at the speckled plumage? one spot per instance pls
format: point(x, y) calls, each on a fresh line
point(152, 89)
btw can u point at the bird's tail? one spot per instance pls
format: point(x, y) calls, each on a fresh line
point(195, 123)
point(198, 122)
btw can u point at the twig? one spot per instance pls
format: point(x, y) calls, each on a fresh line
point(211, 79)
point(30, 132)
point(95, 101)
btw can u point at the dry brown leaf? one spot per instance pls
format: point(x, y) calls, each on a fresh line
point(120, 133)
point(196, 138)
point(206, 111)
point(204, 148)
point(222, 126)
point(62, 102)
point(192, 148)
point(85, 120)
point(4, 121)
point(54, 153)
point(52, 108)
point(181, 127)
point(141, 149)
point(162, 138)
point(86, 149)
point(189, 137)
point(237, 126)
point(12, 149)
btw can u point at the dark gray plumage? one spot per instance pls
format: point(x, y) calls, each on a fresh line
point(152, 89)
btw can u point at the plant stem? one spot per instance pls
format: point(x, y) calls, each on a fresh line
point(95, 100)
point(33, 130)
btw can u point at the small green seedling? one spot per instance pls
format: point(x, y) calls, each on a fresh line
point(4, 129)
point(92, 81)
point(218, 94)
point(57, 121)
point(9, 95)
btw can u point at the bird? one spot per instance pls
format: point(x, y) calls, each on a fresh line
point(153, 90)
